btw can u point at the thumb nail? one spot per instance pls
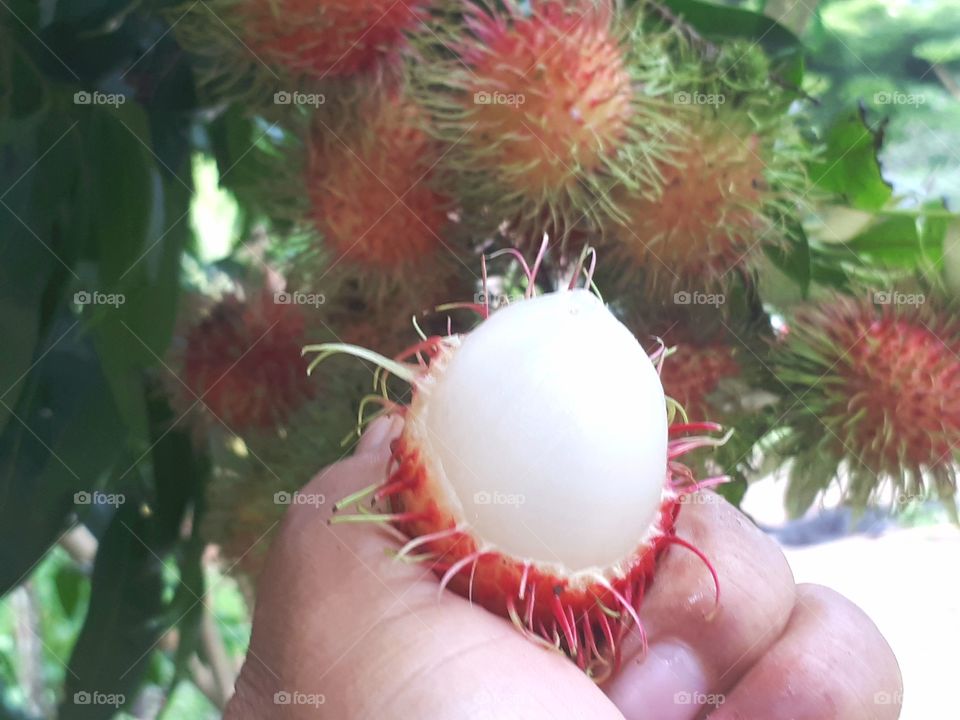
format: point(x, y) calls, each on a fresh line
point(668, 684)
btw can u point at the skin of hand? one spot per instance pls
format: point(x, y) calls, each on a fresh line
point(342, 630)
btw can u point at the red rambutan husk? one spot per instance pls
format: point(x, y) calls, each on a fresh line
point(242, 362)
point(879, 384)
point(326, 38)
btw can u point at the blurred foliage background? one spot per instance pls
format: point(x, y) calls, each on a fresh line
point(154, 199)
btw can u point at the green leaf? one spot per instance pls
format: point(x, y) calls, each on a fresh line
point(802, 489)
point(25, 270)
point(849, 167)
point(939, 51)
point(794, 259)
point(121, 628)
point(934, 225)
point(141, 227)
point(893, 241)
point(183, 472)
point(127, 614)
point(69, 583)
point(62, 439)
point(124, 178)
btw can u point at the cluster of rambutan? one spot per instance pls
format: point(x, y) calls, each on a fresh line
point(441, 130)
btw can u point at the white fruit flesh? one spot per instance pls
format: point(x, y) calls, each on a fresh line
point(548, 428)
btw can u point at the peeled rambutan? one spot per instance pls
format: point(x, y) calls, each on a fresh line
point(370, 193)
point(544, 489)
point(241, 362)
point(538, 105)
point(877, 388)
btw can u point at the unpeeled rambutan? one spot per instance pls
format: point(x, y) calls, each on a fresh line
point(542, 105)
point(369, 190)
point(326, 38)
point(876, 389)
point(707, 218)
point(241, 362)
point(259, 47)
point(694, 375)
point(732, 176)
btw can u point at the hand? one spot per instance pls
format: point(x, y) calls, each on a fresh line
point(349, 633)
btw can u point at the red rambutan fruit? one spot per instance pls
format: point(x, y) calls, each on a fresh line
point(573, 92)
point(544, 490)
point(539, 105)
point(326, 38)
point(879, 397)
point(694, 373)
point(370, 193)
point(707, 218)
point(242, 362)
